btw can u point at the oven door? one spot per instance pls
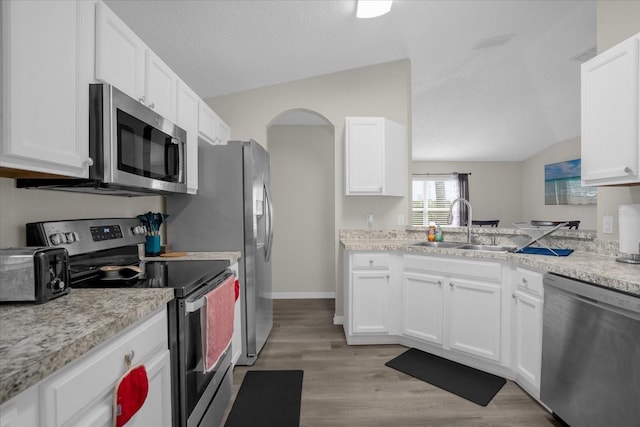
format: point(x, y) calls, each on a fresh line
point(201, 397)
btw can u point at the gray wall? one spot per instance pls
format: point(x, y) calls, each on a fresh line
point(302, 187)
point(495, 188)
point(19, 206)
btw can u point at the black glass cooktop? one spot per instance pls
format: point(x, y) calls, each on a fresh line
point(183, 276)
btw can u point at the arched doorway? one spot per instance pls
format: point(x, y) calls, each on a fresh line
point(301, 148)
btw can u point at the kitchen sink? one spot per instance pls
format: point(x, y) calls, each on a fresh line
point(439, 244)
point(489, 248)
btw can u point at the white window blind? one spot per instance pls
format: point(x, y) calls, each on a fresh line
point(432, 197)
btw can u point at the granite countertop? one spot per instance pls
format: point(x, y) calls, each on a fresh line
point(36, 340)
point(595, 268)
point(230, 256)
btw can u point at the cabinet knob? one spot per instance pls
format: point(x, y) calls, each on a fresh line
point(628, 170)
point(451, 284)
point(141, 99)
point(439, 283)
point(88, 162)
point(152, 105)
point(513, 296)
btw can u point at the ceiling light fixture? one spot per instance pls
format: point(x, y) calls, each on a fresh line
point(373, 8)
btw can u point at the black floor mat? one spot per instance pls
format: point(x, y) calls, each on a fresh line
point(469, 383)
point(267, 399)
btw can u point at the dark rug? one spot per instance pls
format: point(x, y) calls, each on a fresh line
point(469, 383)
point(267, 399)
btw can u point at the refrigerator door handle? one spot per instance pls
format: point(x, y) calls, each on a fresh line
point(269, 230)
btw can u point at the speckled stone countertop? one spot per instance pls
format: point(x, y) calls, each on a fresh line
point(230, 256)
point(36, 340)
point(582, 264)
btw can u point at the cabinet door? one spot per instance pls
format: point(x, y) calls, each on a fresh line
point(187, 119)
point(120, 53)
point(159, 86)
point(528, 339)
point(44, 91)
point(364, 157)
point(422, 306)
point(223, 132)
point(207, 123)
point(611, 116)
point(369, 299)
point(474, 317)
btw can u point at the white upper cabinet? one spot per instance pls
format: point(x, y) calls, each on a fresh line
point(45, 93)
point(211, 128)
point(124, 61)
point(187, 118)
point(160, 86)
point(611, 116)
point(120, 53)
point(376, 157)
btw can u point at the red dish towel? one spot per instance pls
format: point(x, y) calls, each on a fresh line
point(130, 393)
point(217, 323)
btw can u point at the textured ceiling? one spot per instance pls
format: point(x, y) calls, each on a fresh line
point(491, 80)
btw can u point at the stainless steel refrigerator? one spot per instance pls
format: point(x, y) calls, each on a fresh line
point(232, 211)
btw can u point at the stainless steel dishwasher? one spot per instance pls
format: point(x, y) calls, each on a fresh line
point(590, 354)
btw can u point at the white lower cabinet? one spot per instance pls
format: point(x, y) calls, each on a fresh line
point(475, 317)
point(423, 306)
point(527, 329)
point(370, 292)
point(480, 312)
point(82, 392)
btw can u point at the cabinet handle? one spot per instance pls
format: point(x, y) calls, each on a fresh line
point(513, 296)
point(128, 358)
point(439, 283)
point(451, 284)
point(370, 263)
point(88, 162)
point(141, 99)
point(152, 105)
point(628, 170)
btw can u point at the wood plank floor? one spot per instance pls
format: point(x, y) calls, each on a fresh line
point(350, 385)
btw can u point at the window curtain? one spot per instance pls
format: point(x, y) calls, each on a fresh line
point(463, 191)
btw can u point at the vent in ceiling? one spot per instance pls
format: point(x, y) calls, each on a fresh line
point(586, 55)
point(493, 41)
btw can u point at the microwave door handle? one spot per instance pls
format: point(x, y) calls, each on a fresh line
point(180, 160)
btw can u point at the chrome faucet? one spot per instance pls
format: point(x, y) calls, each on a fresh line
point(466, 202)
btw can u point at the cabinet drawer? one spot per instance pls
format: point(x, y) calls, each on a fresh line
point(455, 266)
point(370, 260)
point(88, 379)
point(528, 280)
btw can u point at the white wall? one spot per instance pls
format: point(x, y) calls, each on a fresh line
point(18, 206)
point(495, 188)
point(617, 21)
point(377, 90)
point(302, 188)
point(533, 206)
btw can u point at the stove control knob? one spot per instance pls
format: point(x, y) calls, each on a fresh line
point(71, 237)
point(58, 239)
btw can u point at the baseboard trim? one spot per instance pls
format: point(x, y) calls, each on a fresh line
point(303, 295)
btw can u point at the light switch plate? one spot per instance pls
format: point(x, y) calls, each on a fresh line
point(400, 219)
point(607, 224)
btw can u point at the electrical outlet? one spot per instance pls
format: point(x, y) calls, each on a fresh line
point(400, 219)
point(607, 224)
point(370, 220)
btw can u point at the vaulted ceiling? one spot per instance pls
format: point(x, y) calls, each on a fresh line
point(491, 80)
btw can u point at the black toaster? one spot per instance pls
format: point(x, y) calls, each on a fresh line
point(33, 274)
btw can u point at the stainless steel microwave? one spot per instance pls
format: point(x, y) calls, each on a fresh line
point(134, 150)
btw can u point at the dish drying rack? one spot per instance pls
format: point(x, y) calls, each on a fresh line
point(535, 232)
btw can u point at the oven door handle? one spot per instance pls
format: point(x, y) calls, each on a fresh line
point(193, 306)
